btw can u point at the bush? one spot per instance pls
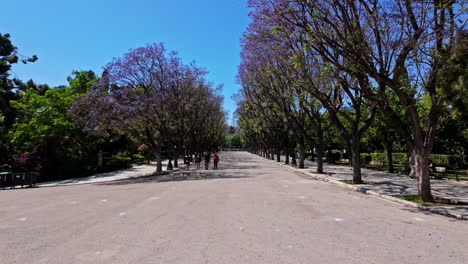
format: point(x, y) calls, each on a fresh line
point(335, 155)
point(117, 162)
point(400, 158)
point(365, 158)
point(449, 161)
point(138, 158)
point(379, 157)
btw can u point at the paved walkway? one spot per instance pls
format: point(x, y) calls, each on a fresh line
point(399, 184)
point(248, 211)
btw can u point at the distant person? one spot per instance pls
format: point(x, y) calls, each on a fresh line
point(215, 161)
point(207, 160)
point(431, 167)
point(187, 161)
point(412, 165)
point(198, 159)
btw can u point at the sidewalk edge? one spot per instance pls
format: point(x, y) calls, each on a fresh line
point(321, 177)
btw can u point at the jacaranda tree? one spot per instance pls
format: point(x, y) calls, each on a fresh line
point(140, 94)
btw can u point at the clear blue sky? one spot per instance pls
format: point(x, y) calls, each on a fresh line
point(86, 34)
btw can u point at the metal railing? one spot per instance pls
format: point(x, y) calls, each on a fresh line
point(11, 180)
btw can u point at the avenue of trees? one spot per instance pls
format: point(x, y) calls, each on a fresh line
point(147, 104)
point(354, 75)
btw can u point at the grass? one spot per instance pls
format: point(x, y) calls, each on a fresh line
point(454, 177)
point(416, 199)
point(364, 182)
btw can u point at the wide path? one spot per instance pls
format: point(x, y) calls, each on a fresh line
point(249, 211)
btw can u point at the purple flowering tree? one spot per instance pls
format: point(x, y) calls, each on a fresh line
point(151, 95)
point(131, 96)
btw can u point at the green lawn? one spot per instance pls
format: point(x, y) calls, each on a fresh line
point(417, 199)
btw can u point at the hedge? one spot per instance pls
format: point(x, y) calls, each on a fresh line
point(448, 161)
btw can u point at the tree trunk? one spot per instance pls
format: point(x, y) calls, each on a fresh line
point(422, 175)
point(301, 155)
point(287, 157)
point(176, 159)
point(278, 155)
point(294, 161)
point(355, 152)
point(158, 160)
point(169, 166)
point(388, 152)
point(319, 149)
point(157, 149)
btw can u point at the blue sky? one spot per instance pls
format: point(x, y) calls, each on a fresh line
point(86, 34)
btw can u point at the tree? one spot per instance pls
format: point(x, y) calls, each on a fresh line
point(8, 56)
point(146, 94)
point(402, 46)
point(46, 116)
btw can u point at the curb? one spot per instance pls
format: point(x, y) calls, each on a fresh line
point(320, 177)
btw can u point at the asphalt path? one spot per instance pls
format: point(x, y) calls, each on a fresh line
point(249, 211)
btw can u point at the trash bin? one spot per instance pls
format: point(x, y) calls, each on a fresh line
point(5, 179)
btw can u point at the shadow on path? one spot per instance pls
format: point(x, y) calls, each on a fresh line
point(182, 175)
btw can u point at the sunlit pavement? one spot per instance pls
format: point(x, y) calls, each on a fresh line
point(248, 211)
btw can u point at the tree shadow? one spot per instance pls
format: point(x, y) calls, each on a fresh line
point(87, 178)
point(392, 188)
point(444, 210)
point(181, 175)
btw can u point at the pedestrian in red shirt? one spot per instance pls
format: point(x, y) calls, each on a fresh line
point(215, 161)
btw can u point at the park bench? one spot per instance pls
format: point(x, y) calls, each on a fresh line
point(376, 163)
point(9, 179)
point(442, 172)
point(439, 172)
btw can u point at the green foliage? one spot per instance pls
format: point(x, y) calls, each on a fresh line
point(449, 161)
point(378, 157)
point(138, 157)
point(398, 158)
point(45, 116)
point(116, 162)
point(365, 158)
point(234, 141)
point(455, 75)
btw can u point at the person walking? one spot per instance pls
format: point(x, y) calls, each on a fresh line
point(412, 165)
point(215, 161)
point(207, 160)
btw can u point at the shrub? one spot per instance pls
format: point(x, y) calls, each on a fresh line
point(138, 157)
point(449, 161)
point(365, 158)
point(335, 155)
point(400, 158)
point(117, 162)
point(379, 157)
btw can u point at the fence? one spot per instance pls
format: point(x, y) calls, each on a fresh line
point(8, 179)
